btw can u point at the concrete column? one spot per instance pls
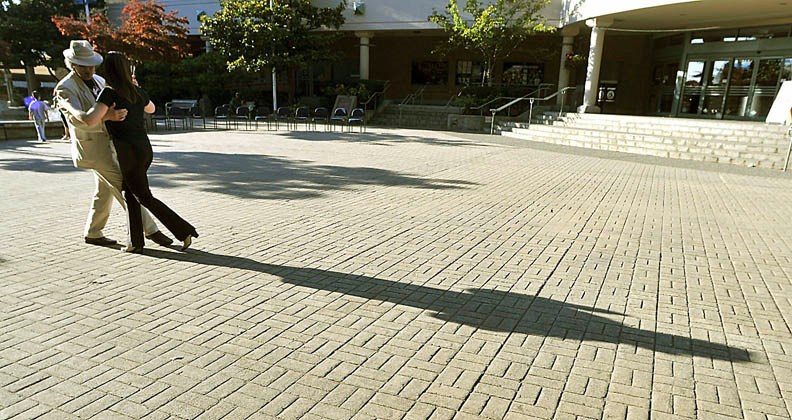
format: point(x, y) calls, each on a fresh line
point(593, 67)
point(566, 48)
point(365, 37)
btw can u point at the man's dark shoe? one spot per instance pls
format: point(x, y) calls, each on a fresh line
point(160, 238)
point(100, 241)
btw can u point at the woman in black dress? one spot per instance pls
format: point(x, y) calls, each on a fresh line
point(134, 150)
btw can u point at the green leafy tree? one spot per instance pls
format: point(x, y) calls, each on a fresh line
point(257, 35)
point(492, 29)
point(31, 37)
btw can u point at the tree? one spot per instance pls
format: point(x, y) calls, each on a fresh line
point(255, 35)
point(147, 33)
point(497, 28)
point(30, 35)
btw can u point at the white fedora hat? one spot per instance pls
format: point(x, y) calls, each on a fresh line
point(81, 53)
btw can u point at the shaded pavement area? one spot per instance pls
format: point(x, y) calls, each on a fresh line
point(399, 273)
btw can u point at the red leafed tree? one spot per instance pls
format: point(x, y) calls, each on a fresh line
point(147, 32)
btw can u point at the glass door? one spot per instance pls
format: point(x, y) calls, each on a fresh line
point(715, 88)
point(742, 73)
point(705, 87)
point(764, 87)
point(691, 90)
point(661, 97)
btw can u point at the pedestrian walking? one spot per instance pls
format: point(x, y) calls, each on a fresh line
point(38, 112)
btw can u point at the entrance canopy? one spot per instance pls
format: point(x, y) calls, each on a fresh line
point(683, 15)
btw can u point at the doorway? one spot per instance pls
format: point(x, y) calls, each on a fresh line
point(732, 87)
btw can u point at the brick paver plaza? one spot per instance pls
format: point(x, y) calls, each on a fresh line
point(399, 273)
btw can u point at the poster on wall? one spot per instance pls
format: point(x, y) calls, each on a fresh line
point(782, 105)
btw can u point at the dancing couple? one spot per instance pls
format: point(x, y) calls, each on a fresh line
point(108, 136)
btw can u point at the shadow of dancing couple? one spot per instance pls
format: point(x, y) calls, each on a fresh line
point(484, 309)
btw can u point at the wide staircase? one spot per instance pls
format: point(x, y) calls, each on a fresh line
point(735, 142)
point(414, 116)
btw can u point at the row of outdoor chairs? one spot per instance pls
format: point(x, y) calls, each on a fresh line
point(292, 119)
point(186, 118)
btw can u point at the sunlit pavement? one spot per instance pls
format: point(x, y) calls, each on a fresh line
point(399, 273)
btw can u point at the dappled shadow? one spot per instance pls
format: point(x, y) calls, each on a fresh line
point(270, 177)
point(250, 176)
point(383, 139)
point(484, 309)
point(34, 164)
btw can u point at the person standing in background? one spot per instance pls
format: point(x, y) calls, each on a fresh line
point(37, 111)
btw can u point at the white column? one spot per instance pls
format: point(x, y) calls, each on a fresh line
point(593, 67)
point(566, 48)
point(365, 37)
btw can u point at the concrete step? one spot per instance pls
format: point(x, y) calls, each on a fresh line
point(691, 149)
point(747, 139)
point(681, 124)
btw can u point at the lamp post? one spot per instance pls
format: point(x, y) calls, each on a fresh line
point(87, 13)
point(274, 77)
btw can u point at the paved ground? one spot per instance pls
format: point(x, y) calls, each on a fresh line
point(400, 274)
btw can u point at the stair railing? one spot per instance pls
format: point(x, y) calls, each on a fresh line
point(377, 97)
point(543, 87)
point(531, 100)
point(410, 100)
point(789, 149)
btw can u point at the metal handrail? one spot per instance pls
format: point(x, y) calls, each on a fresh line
point(375, 95)
point(531, 100)
point(542, 87)
point(410, 99)
point(789, 149)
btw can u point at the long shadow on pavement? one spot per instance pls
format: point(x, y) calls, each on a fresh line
point(485, 309)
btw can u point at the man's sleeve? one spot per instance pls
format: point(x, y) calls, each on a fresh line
point(64, 96)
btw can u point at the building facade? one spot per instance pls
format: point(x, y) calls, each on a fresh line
point(721, 59)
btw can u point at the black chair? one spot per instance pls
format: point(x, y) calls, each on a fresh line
point(221, 114)
point(262, 113)
point(283, 114)
point(242, 113)
point(339, 117)
point(159, 115)
point(176, 114)
point(302, 114)
point(320, 115)
point(195, 114)
point(358, 116)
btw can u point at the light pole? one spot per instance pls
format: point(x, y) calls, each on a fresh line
point(87, 12)
point(274, 77)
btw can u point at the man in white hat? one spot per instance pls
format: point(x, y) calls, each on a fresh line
point(91, 146)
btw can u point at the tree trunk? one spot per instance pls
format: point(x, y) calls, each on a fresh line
point(9, 84)
point(30, 77)
point(292, 77)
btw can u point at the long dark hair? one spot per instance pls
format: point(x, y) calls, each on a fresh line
point(118, 74)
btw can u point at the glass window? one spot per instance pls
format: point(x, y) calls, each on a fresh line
point(719, 73)
point(429, 73)
point(523, 74)
point(695, 71)
point(769, 70)
point(786, 71)
point(469, 72)
point(741, 71)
